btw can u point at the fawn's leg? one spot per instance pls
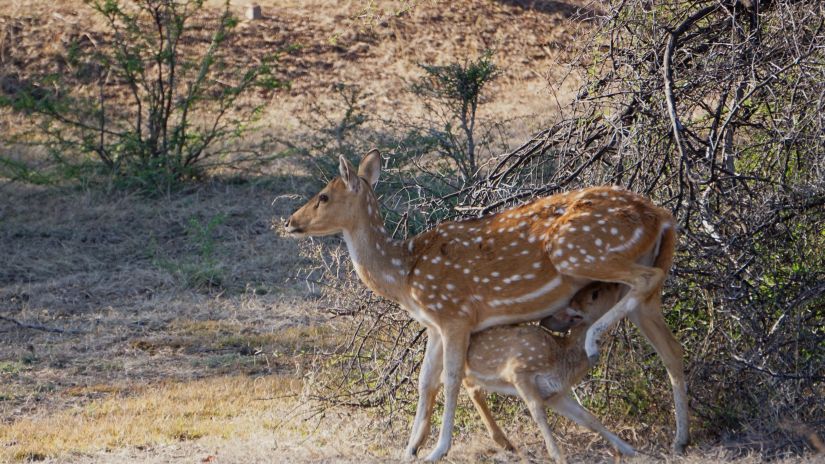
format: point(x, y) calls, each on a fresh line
point(571, 409)
point(529, 393)
point(480, 402)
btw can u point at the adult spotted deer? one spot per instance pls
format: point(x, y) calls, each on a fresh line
point(517, 265)
point(541, 368)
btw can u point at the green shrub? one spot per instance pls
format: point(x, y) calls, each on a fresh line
point(457, 89)
point(180, 101)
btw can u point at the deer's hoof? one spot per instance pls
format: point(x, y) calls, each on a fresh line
point(436, 455)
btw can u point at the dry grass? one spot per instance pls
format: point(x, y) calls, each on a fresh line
point(152, 415)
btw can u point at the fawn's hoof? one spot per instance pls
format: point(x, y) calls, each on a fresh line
point(593, 359)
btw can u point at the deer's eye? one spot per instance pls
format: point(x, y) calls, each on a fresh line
point(323, 198)
point(595, 295)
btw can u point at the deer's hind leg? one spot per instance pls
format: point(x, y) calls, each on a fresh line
point(606, 248)
point(645, 287)
point(651, 323)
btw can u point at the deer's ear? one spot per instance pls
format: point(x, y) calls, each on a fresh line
point(348, 175)
point(370, 167)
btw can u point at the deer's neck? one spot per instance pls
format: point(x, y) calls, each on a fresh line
point(382, 263)
point(573, 353)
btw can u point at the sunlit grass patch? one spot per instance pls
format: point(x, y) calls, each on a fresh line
point(225, 407)
point(221, 336)
point(290, 340)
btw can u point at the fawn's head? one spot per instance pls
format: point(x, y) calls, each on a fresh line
point(340, 204)
point(587, 306)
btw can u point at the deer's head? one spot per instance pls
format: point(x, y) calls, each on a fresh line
point(339, 205)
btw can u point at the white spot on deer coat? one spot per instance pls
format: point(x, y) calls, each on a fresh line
point(537, 293)
point(637, 235)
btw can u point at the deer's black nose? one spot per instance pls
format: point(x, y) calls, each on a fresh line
point(290, 227)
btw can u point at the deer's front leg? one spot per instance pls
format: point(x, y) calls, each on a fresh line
point(455, 342)
point(428, 381)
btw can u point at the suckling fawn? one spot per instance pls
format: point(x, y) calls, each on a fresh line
point(541, 368)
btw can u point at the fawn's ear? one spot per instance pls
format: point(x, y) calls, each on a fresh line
point(348, 175)
point(563, 320)
point(370, 167)
point(573, 316)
